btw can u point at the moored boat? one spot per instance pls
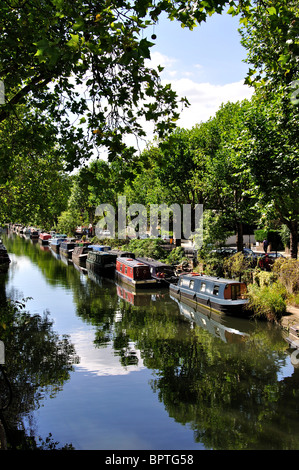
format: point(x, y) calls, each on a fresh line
point(163, 273)
point(218, 294)
point(99, 247)
point(123, 254)
point(44, 238)
point(56, 241)
point(4, 258)
point(134, 272)
point(101, 262)
point(34, 234)
point(79, 254)
point(67, 247)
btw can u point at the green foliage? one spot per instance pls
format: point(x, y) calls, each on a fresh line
point(150, 248)
point(236, 265)
point(260, 235)
point(285, 235)
point(176, 256)
point(270, 35)
point(287, 271)
point(267, 301)
point(273, 237)
point(212, 264)
point(68, 222)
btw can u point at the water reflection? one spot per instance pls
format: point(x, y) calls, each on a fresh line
point(229, 381)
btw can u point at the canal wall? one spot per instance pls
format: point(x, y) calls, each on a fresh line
point(290, 318)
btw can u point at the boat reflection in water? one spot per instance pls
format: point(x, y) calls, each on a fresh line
point(211, 323)
point(137, 297)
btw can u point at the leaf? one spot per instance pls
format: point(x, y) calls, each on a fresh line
point(271, 11)
point(74, 41)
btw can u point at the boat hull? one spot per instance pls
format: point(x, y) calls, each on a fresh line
point(136, 283)
point(101, 262)
point(206, 299)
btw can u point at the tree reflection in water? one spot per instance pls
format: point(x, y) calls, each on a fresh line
point(37, 365)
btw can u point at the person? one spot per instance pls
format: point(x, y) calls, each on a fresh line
point(265, 245)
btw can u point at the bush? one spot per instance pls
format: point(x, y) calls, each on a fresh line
point(176, 256)
point(287, 271)
point(213, 264)
point(236, 265)
point(150, 248)
point(267, 302)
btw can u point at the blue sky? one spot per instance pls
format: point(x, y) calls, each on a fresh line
point(205, 65)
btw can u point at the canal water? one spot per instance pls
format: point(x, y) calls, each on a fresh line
point(95, 366)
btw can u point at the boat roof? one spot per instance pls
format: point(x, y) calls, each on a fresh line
point(210, 278)
point(131, 262)
point(153, 262)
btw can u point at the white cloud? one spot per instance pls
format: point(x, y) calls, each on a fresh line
point(160, 59)
point(206, 98)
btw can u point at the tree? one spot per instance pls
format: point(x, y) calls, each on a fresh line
point(87, 60)
point(273, 160)
point(270, 35)
point(34, 186)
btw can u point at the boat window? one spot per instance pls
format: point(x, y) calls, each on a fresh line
point(216, 290)
point(126, 269)
point(191, 285)
point(203, 287)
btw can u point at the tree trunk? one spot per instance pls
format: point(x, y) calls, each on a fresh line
point(293, 226)
point(239, 236)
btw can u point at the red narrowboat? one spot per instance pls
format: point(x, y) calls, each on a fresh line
point(44, 238)
point(134, 272)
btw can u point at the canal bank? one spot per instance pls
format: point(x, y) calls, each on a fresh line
point(291, 317)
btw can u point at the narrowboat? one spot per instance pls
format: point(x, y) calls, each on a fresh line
point(67, 247)
point(135, 273)
point(217, 294)
point(79, 255)
point(123, 254)
point(163, 273)
point(99, 247)
point(4, 258)
point(101, 262)
point(34, 234)
point(56, 241)
point(44, 238)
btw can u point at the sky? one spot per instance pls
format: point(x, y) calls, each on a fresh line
point(204, 65)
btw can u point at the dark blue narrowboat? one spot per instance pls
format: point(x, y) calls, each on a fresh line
point(101, 262)
point(99, 247)
point(56, 241)
point(218, 294)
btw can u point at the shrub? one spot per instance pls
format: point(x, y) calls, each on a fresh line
point(268, 301)
point(236, 265)
point(150, 248)
point(287, 271)
point(213, 264)
point(264, 278)
point(176, 256)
